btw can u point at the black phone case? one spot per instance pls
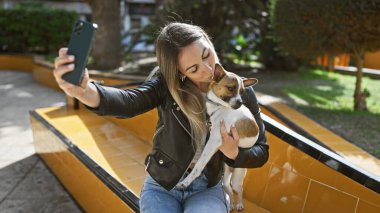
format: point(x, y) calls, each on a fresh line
point(79, 46)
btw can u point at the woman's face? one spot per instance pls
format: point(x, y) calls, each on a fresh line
point(197, 61)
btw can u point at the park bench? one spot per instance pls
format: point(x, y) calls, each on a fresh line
point(100, 161)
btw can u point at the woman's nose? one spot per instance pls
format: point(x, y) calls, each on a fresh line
point(207, 66)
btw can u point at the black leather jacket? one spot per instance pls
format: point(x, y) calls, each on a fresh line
point(173, 149)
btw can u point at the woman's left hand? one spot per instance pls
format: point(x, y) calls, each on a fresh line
point(230, 142)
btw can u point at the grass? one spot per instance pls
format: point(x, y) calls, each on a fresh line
point(327, 98)
point(333, 91)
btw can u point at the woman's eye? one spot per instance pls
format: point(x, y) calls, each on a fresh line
point(206, 56)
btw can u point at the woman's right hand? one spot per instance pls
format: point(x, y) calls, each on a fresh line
point(63, 64)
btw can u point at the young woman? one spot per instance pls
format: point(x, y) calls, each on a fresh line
point(186, 58)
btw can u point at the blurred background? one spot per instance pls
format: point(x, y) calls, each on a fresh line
point(320, 57)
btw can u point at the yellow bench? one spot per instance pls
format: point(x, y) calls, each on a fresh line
point(100, 163)
point(100, 160)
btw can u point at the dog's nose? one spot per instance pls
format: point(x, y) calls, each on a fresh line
point(238, 104)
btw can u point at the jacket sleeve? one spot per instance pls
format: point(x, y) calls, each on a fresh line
point(126, 103)
point(258, 154)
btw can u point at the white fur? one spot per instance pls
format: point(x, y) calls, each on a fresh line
point(234, 176)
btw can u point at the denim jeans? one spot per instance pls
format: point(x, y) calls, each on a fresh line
point(195, 198)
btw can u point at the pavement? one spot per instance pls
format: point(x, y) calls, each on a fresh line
point(26, 184)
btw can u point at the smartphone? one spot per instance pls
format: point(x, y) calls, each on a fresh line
point(79, 46)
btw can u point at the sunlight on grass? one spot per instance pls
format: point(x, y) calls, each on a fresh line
point(297, 99)
point(324, 88)
point(332, 91)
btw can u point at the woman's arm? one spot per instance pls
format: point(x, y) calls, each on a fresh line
point(258, 154)
point(129, 102)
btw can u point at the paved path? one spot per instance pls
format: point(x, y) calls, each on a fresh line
point(26, 185)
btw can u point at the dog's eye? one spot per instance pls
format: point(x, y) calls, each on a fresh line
point(231, 89)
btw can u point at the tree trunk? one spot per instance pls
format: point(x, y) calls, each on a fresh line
point(330, 63)
point(359, 96)
point(107, 51)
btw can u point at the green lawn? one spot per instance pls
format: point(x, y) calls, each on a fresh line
point(327, 98)
point(332, 91)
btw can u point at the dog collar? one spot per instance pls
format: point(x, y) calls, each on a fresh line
point(214, 103)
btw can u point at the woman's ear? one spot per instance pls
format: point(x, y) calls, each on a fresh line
point(219, 72)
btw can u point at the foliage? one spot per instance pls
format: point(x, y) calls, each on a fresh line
point(310, 28)
point(234, 26)
point(32, 28)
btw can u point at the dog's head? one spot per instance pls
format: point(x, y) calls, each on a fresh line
point(227, 87)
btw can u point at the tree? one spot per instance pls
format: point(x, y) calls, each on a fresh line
point(107, 51)
point(234, 26)
point(310, 28)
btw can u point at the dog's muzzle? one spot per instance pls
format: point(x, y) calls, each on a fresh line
point(237, 105)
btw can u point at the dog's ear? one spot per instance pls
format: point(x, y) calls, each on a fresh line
point(219, 72)
point(249, 81)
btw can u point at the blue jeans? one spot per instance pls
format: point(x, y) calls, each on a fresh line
point(195, 198)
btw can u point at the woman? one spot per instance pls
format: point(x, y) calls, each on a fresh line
point(186, 58)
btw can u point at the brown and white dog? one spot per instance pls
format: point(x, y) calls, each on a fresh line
point(224, 102)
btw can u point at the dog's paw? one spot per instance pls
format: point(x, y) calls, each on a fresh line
point(182, 185)
point(240, 207)
point(185, 184)
point(231, 205)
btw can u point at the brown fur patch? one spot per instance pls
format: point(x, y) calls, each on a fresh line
point(246, 128)
point(221, 88)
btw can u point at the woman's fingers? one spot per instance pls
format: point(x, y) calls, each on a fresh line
point(85, 79)
point(60, 61)
point(62, 52)
point(223, 130)
point(229, 145)
point(61, 70)
point(235, 134)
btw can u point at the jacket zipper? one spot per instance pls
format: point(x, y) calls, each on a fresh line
point(183, 126)
point(147, 165)
point(158, 131)
point(191, 140)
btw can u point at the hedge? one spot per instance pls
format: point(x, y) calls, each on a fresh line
point(35, 30)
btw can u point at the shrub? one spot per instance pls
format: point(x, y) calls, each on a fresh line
point(26, 29)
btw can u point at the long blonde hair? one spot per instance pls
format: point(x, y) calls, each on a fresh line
point(172, 38)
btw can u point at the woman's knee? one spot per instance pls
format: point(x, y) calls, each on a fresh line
point(158, 202)
point(205, 202)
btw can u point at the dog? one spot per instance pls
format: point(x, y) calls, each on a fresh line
point(224, 102)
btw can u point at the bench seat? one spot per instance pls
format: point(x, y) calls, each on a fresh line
point(99, 162)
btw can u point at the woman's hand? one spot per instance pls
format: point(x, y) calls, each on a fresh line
point(64, 64)
point(230, 142)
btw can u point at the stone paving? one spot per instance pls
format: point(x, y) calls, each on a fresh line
point(26, 184)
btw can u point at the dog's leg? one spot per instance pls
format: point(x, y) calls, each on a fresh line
point(227, 184)
point(210, 149)
point(237, 185)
